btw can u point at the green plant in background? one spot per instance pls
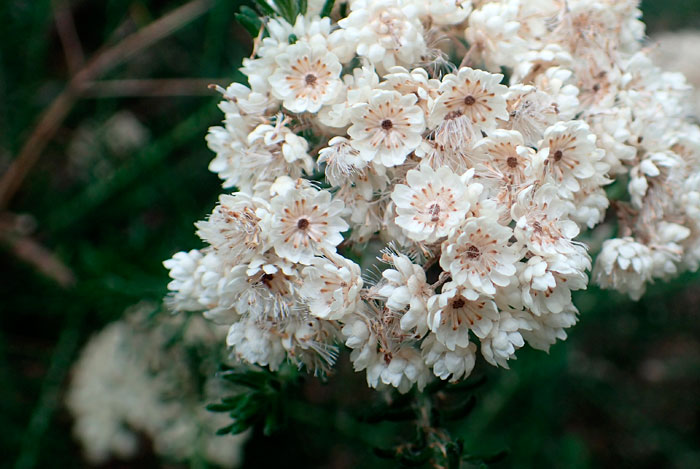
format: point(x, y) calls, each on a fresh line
point(627, 375)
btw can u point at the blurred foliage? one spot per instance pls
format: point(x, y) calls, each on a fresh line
point(622, 391)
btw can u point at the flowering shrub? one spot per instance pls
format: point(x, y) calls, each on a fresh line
point(474, 141)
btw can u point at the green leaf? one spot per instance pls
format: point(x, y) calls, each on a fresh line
point(235, 428)
point(248, 379)
point(302, 6)
point(218, 407)
point(251, 25)
point(265, 8)
point(327, 8)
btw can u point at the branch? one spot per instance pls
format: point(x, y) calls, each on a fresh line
point(150, 88)
point(53, 116)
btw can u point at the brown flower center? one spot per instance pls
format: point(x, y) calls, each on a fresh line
point(469, 100)
point(558, 155)
point(473, 252)
point(512, 162)
point(303, 224)
point(458, 303)
point(311, 79)
point(434, 211)
point(387, 124)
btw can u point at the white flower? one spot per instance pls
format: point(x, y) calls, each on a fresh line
point(387, 32)
point(305, 223)
point(433, 202)
point(405, 368)
point(474, 98)
point(342, 161)
point(387, 128)
point(255, 342)
point(331, 286)
point(503, 339)
point(568, 154)
point(233, 229)
point(493, 29)
point(532, 111)
point(448, 364)
point(445, 12)
point(543, 227)
point(265, 287)
point(625, 266)
point(307, 78)
point(405, 286)
point(269, 151)
point(456, 311)
point(549, 328)
point(547, 288)
point(416, 82)
point(479, 255)
point(504, 166)
point(185, 286)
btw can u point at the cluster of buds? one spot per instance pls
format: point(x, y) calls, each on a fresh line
point(391, 123)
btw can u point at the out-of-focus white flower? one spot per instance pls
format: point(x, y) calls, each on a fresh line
point(128, 381)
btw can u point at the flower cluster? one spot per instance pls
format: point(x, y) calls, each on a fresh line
point(129, 383)
point(380, 127)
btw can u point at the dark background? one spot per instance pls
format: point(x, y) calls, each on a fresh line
point(85, 234)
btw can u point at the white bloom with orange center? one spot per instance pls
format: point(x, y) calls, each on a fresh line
point(305, 223)
point(456, 311)
point(472, 101)
point(387, 128)
point(504, 164)
point(233, 228)
point(433, 202)
point(307, 78)
point(569, 155)
point(543, 226)
point(479, 254)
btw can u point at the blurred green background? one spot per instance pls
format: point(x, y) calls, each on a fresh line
point(124, 176)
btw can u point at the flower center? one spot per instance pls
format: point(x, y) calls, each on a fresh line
point(310, 79)
point(434, 211)
point(469, 100)
point(267, 279)
point(303, 224)
point(558, 155)
point(387, 124)
point(512, 162)
point(473, 252)
point(458, 303)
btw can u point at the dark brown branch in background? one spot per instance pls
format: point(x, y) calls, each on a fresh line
point(145, 88)
point(51, 119)
point(65, 27)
